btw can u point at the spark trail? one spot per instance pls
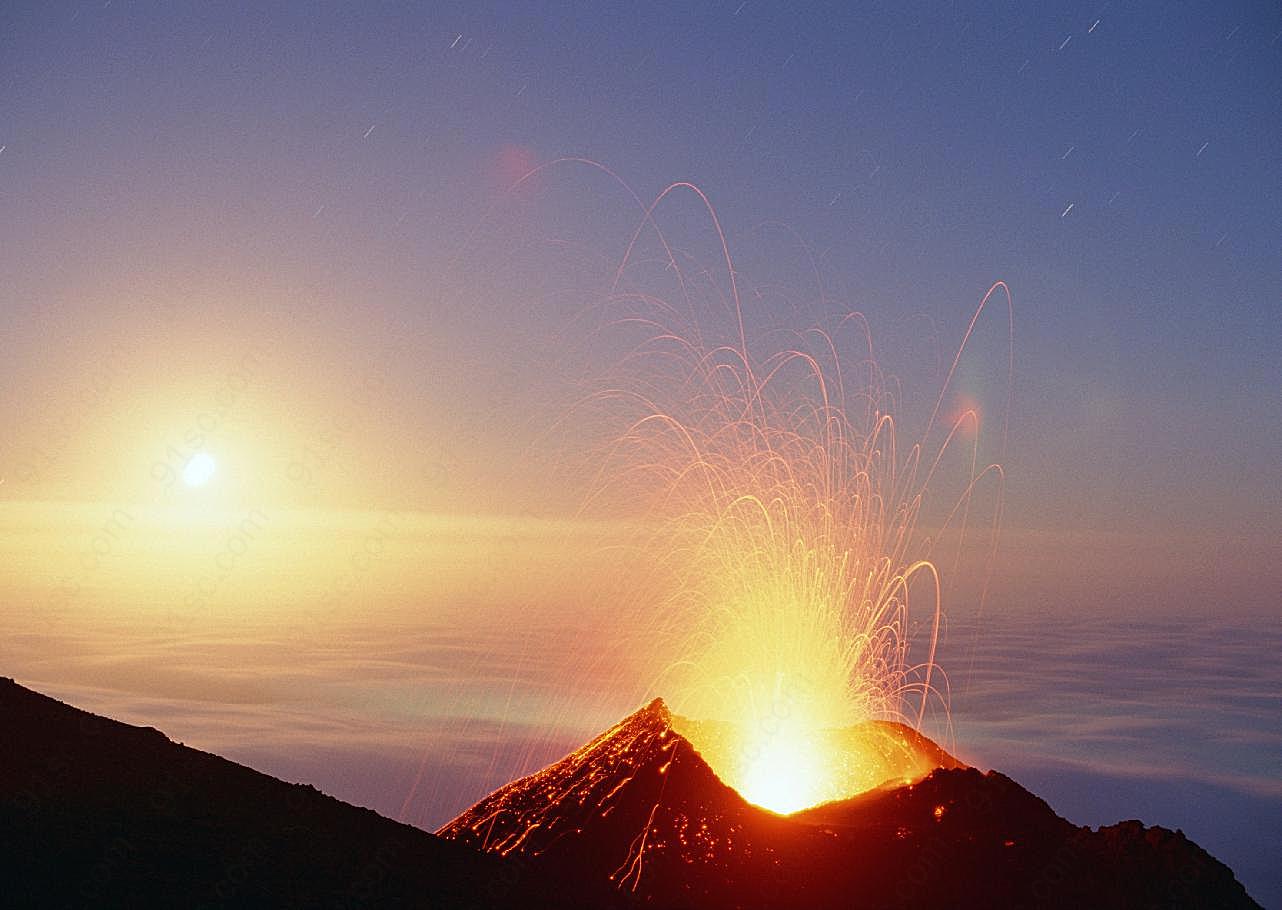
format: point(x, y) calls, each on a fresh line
point(784, 510)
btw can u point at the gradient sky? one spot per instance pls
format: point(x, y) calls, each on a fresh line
point(285, 229)
point(191, 177)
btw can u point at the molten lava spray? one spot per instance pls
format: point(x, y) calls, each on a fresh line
point(785, 509)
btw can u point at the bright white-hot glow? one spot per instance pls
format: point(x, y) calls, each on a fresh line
point(199, 469)
point(783, 773)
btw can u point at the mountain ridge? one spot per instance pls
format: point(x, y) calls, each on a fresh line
point(95, 812)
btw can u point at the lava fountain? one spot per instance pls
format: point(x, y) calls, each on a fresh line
point(786, 511)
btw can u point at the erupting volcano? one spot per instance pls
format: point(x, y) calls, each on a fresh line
point(638, 808)
point(646, 774)
point(793, 613)
point(578, 456)
point(792, 605)
point(635, 816)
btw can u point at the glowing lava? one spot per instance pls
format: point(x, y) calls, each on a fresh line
point(792, 767)
point(643, 793)
point(784, 775)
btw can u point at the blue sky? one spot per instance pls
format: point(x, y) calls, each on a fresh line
point(923, 151)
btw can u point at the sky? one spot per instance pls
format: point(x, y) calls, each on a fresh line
point(188, 181)
point(289, 236)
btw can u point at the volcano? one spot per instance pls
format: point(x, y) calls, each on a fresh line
point(639, 808)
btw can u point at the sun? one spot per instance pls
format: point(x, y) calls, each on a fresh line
point(199, 469)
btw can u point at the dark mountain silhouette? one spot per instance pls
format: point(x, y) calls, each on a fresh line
point(97, 813)
point(639, 808)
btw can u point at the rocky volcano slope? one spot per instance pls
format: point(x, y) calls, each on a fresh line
point(640, 809)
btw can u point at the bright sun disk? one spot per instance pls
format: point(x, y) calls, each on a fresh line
point(199, 469)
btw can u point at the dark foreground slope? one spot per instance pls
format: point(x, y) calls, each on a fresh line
point(96, 813)
point(639, 808)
